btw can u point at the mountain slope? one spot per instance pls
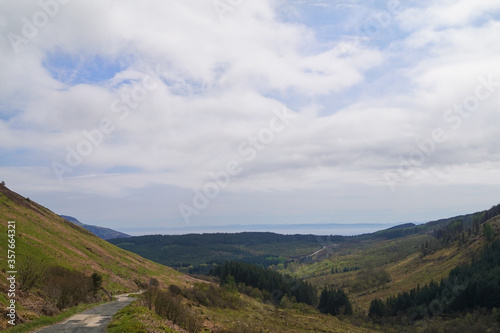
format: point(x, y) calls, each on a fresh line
point(104, 233)
point(46, 238)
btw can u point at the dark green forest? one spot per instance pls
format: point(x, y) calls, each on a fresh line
point(275, 283)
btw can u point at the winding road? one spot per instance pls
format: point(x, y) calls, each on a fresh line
point(94, 320)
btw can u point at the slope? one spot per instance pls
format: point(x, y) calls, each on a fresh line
point(44, 237)
point(388, 266)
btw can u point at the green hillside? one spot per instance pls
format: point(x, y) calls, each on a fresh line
point(44, 239)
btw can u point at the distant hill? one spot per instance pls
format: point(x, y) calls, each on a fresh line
point(197, 253)
point(104, 233)
point(263, 248)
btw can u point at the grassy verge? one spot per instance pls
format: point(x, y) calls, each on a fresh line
point(46, 320)
point(137, 319)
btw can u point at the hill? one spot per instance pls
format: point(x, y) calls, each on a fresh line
point(197, 253)
point(189, 251)
point(104, 233)
point(42, 238)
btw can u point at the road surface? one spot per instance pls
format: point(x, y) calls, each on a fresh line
point(94, 320)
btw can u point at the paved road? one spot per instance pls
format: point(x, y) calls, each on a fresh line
point(91, 321)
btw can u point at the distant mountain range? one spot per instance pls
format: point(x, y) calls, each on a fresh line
point(284, 229)
point(104, 233)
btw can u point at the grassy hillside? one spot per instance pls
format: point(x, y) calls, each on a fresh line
point(386, 267)
point(50, 240)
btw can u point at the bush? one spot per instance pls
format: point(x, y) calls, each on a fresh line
point(30, 273)
point(148, 298)
point(210, 295)
point(154, 282)
point(174, 289)
point(67, 288)
point(169, 306)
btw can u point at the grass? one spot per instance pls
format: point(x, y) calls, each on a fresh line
point(51, 240)
point(137, 319)
point(46, 320)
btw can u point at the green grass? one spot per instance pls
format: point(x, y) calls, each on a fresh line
point(137, 319)
point(47, 321)
point(50, 240)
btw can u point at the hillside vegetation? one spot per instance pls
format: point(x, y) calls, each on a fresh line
point(58, 248)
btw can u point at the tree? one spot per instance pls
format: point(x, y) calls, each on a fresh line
point(96, 281)
point(2, 183)
point(488, 231)
point(334, 302)
point(230, 283)
point(377, 308)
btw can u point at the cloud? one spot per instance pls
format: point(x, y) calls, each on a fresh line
point(143, 94)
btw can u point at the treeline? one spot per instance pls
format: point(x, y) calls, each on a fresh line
point(273, 282)
point(242, 238)
point(470, 286)
point(469, 223)
point(399, 231)
point(461, 229)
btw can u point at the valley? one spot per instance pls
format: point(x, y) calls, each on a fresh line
point(264, 287)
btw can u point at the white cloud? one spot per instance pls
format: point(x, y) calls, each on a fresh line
point(191, 88)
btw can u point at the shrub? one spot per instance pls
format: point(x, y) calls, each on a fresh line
point(66, 287)
point(154, 282)
point(148, 298)
point(210, 295)
point(169, 306)
point(30, 273)
point(174, 289)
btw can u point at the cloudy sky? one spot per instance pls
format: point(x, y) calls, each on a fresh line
point(148, 115)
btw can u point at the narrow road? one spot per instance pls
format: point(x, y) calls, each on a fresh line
point(312, 254)
point(94, 320)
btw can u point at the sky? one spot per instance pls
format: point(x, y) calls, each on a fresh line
point(157, 115)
